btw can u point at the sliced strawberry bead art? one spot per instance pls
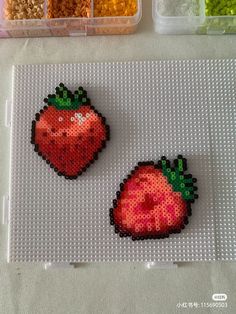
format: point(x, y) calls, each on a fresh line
point(68, 133)
point(154, 200)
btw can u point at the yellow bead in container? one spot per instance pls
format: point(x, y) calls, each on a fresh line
point(104, 8)
point(110, 16)
point(115, 30)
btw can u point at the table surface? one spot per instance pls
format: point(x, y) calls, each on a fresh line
point(103, 287)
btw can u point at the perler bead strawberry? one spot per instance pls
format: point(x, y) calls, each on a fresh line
point(68, 132)
point(154, 201)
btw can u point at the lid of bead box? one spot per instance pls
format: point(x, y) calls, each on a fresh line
point(153, 109)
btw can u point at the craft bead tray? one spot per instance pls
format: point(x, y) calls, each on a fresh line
point(68, 26)
point(191, 17)
point(153, 109)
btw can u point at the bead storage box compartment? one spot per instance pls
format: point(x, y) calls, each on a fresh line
point(40, 18)
point(194, 16)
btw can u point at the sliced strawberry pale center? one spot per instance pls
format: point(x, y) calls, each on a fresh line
point(148, 205)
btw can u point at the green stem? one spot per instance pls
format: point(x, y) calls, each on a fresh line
point(175, 176)
point(64, 99)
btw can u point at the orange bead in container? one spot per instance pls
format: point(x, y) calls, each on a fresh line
point(116, 16)
point(115, 8)
point(68, 8)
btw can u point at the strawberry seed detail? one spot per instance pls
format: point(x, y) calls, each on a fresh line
point(61, 132)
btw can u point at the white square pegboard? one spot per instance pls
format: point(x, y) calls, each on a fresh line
point(153, 108)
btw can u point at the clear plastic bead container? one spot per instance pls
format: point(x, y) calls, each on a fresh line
point(189, 17)
point(69, 26)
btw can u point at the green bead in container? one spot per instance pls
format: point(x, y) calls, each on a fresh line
point(220, 7)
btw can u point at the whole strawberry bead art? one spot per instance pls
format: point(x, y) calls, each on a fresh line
point(68, 133)
point(154, 200)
